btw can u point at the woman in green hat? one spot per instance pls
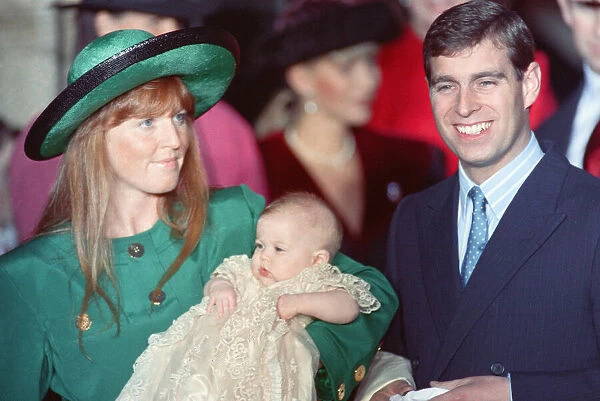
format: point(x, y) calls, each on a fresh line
point(131, 233)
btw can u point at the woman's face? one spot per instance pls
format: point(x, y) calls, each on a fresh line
point(344, 83)
point(146, 154)
point(106, 21)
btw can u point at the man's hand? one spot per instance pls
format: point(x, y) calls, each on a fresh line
point(222, 297)
point(478, 388)
point(395, 387)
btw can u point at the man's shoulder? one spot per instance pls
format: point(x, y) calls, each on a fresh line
point(582, 183)
point(576, 184)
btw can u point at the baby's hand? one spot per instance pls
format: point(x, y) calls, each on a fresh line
point(287, 306)
point(222, 296)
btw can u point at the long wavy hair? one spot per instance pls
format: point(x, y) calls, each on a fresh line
point(80, 198)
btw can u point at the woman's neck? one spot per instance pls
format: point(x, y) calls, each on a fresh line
point(325, 136)
point(131, 215)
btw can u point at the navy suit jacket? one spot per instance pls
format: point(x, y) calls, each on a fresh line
point(558, 128)
point(532, 305)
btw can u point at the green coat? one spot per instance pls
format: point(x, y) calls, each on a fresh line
point(42, 288)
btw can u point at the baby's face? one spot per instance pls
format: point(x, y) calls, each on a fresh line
point(283, 247)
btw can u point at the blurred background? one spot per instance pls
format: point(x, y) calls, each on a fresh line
point(37, 45)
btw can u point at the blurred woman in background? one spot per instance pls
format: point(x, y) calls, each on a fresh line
point(325, 54)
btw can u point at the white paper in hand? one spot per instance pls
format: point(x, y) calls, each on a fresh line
point(420, 395)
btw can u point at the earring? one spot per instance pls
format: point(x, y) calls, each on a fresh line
point(310, 107)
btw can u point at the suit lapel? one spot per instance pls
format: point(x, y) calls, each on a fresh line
point(528, 222)
point(440, 255)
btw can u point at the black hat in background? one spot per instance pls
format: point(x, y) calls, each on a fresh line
point(307, 29)
point(311, 28)
point(192, 12)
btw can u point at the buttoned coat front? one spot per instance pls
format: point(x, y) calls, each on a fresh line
point(42, 287)
point(532, 305)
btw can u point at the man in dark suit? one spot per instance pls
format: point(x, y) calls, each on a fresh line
point(572, 125)
point(497, 267)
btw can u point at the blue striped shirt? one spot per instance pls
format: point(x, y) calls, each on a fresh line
point(499, 191)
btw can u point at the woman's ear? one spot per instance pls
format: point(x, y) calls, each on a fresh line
point(299, 78)
point(565, 11)
point(320, 257)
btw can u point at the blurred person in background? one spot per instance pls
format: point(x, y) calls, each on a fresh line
point(227, 142)
point(324, 53)
point(575, 128)
point(402, 107)
point(8, 235)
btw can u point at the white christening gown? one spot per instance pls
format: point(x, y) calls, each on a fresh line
point(253, 355)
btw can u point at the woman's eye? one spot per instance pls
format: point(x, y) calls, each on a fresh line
point(180, 118)
point(146, 123)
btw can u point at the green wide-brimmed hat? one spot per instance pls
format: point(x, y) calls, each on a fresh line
point(206, 59)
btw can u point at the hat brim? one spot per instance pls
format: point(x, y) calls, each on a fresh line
point(206, 59)
point(334, 29)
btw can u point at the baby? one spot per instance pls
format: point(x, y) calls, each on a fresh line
point(247, 338)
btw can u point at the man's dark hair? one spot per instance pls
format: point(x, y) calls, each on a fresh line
point(466, 25)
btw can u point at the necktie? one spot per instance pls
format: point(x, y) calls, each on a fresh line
point(478, 235)
point(591, 159)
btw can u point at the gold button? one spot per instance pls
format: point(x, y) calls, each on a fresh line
point(83, 322)
point(359, 373)
point(341, 391)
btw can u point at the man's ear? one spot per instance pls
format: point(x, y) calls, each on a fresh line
point(532, 80)
point(320, 257)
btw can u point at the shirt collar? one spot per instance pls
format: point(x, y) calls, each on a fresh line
point(591, 80)
point(500, 188)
